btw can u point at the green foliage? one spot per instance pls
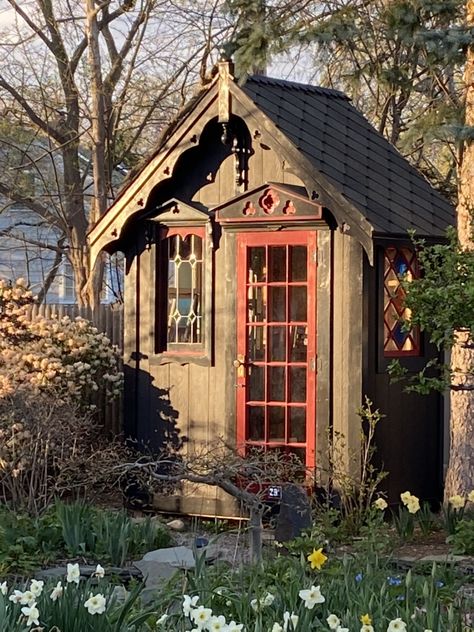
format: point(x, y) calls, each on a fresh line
point(404, 523)
point(357, 491)
point(441, 302)
point(462, 540)
point(73, 530)
point(69, 613)
point(27, 543)
point(352, 586)
point(451, 517)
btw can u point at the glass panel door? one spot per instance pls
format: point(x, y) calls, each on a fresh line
point(276, 344)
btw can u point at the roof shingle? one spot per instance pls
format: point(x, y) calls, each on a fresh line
point(336, 138)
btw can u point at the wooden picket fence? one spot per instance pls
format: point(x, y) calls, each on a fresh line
point(109, 320)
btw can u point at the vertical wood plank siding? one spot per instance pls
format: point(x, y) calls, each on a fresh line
point(109, 320)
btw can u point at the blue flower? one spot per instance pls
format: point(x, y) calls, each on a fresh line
point(401, 598)
point(439, 584)
point(359, 577)
point(394, 581)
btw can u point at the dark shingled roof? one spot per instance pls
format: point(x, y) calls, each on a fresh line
point(353, 156)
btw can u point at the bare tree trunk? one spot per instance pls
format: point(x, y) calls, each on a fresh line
point(99, 205)
point(460, 475)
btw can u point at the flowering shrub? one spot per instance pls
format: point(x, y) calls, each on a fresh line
point(49, 369)
point(69, 358)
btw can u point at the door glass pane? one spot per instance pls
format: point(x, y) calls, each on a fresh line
point(277, 300)
point(277, 351)
point(276, 423)
point(297, 424)
point(256, 423)
point(298, 455)
point(257, 265)
point(276, 383)
point(256, 382)
point(256, 343)
point(297, 384)
point(298, 265)
point(298, 343)
point(298, 303)
point(277, 263)
point(257, 303)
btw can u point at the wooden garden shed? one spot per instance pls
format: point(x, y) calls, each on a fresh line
point(265, 240)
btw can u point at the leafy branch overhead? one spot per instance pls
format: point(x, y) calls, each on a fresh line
point(441, 303)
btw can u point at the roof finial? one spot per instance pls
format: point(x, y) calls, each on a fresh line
point(226, 75)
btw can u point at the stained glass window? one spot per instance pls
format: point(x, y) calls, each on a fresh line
point(399, 265)
point(184, 324)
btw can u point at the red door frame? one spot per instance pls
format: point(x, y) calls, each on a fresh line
point(293, 238)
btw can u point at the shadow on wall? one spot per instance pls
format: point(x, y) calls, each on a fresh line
point(151, 429)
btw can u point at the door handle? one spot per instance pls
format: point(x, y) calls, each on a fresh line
point(239, 364)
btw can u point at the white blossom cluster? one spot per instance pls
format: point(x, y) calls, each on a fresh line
point(66, 356)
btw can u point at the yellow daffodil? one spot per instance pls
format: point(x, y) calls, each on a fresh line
point(317, 559)
point(365, 619)
point(457, 501)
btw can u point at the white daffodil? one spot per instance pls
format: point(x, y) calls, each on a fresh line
point(95, 604)
point(16, 596)
point(256, 604)
point(277, 628)
point(99, 571)
point(73, 573)
point(217, 624)
point(27, 598)
point(268, 599)
point(189, 603)
point(57, 592)
point(201, 616)
point(397, 625)
point(287, 618)
point(339, 629)
point(3, 588)
point(333, 622)
point(366, 628)
point(162, 619)
point(311, 597)
point(31, 613)
point(235, 627)
point(36, 587)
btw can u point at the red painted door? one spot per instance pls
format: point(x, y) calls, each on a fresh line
point(276, 342)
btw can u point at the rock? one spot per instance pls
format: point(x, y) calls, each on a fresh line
point(295, 513)
point(177, 556)
point(155, 573)
point(176, 525)
point(120, 594)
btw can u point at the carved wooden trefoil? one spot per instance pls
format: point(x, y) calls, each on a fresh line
point(270, 202)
